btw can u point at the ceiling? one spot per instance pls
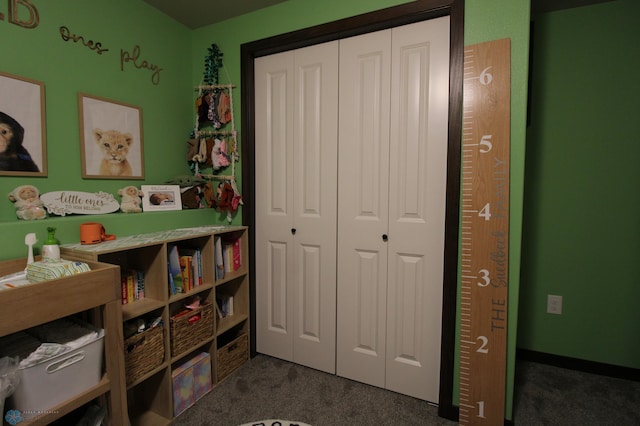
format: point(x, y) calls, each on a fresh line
point(199, 13)
point(541, 6)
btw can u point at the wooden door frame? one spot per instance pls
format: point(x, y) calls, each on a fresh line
point(403, 14)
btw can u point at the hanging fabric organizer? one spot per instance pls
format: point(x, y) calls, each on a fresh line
point(217, 148)
point(214, 143)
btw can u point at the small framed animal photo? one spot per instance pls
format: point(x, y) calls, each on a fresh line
point(23, 145)
point(111, 142)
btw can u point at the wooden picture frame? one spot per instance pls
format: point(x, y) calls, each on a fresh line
point(111, 140)
point(161, 197)
point(23, 141)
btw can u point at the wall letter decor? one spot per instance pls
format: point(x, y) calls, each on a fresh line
point(34, 17)
point(133, 57)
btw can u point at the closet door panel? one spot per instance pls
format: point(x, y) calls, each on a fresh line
point(419, 120)
point(315, 205)
point(308, 322)
point(363, 206)
point(274, 84)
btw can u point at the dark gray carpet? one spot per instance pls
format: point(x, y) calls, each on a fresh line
point(547, 395)
point(269, 388)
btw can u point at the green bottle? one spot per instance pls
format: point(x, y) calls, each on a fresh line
point(51, 247)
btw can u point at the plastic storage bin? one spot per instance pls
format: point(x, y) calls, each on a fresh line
point(55, 380)
point(191, 381)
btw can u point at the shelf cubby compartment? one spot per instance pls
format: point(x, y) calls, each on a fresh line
point(145, 351)
point(148, 261)
point(150, 401)
point(191, 328)
point(232, 350)
point(235, 290)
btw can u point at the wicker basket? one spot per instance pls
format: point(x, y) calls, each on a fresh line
point(143, 352)
point(190, 329)
point(232, 355)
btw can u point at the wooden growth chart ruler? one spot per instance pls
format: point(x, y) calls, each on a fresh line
point(485, 232)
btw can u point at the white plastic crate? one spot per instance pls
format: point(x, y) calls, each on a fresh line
point(55, 380)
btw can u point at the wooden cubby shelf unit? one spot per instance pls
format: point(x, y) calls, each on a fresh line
point(149, 397)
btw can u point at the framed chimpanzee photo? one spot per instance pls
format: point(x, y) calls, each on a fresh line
point(23, 146)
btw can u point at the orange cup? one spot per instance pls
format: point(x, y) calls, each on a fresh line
point(93, 233)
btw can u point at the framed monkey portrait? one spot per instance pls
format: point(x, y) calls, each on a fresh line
point(23, 146)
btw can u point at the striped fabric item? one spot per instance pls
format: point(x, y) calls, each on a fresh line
point(50, 269)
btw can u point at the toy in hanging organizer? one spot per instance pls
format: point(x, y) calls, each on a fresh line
point(191, 191)
point(214, 143)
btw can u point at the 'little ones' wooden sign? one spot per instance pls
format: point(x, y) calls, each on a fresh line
point(75, 202)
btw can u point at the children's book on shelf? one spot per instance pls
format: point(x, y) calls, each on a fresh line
point(219, 257)
point(131, 286)
point(172, 286)
point(237, 254)
point(227, 257)
point(194, 258)
point(231, 254)
point(140, 283)
point(224, 306)
point(185, 268)
point(174, 269)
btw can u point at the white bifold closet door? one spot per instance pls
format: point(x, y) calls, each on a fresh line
point(393, 102)
point(296, 184)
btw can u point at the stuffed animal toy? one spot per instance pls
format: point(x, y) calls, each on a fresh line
point(225, 197)
point(228, 198)
point(131, 199)
point(219, 157)
point(191, 189)
point(209, 195)
point(26, 200)
point(197, 151)
point(192, 197)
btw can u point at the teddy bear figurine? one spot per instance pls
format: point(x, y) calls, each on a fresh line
point(26, 200)
point(131, 199)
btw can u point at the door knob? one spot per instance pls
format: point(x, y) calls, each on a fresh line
point(293, 231)
point(385, 237)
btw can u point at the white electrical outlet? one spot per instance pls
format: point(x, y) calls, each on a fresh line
point(554, 304)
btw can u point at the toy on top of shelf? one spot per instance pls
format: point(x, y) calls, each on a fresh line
point(26, 200)
point(131, 199)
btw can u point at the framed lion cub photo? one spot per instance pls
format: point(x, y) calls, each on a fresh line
point(111, 142)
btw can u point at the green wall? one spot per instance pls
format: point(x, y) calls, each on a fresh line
point(582, 203)
point(483, 22)
point(67, 68)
